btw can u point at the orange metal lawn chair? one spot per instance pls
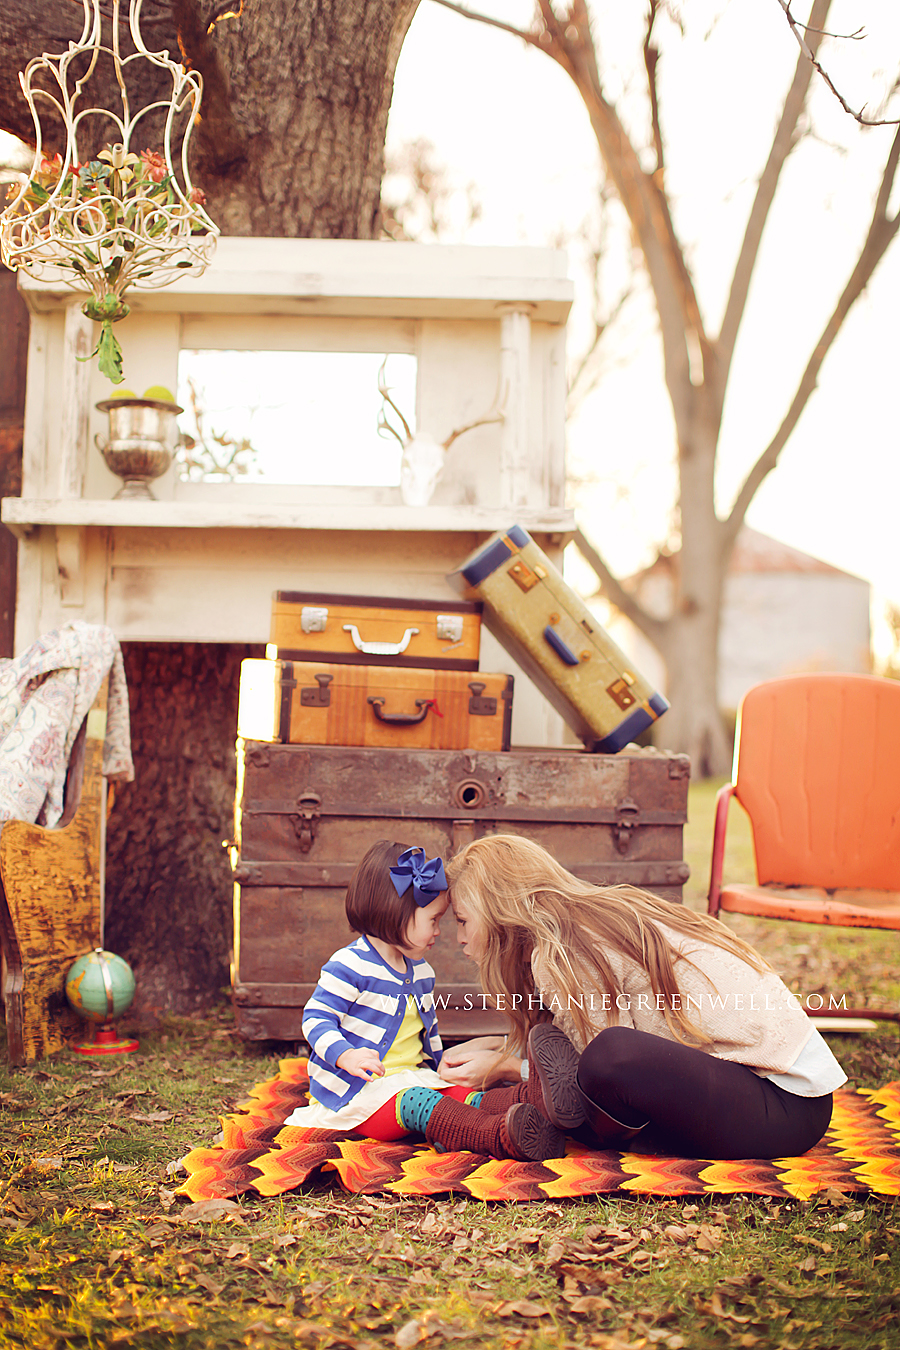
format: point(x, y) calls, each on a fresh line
point(817, 769)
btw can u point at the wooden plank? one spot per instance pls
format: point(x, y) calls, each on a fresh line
point(302, 875)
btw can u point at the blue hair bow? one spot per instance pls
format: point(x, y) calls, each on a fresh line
point(425, 875)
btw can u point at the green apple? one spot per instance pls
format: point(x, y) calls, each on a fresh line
point(160, 393)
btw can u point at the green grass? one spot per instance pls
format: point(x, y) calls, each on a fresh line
point(96, 1252)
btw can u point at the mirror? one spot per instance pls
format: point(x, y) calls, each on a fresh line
point(292, 417)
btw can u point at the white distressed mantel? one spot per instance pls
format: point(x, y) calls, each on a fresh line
point(200, 562)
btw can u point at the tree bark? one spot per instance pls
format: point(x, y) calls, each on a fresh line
point(168, 885)
point(295, 104)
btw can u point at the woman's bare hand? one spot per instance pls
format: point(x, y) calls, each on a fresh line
point(478, 1063)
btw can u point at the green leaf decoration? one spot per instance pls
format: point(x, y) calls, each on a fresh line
point(107, 309)
point(109, 354)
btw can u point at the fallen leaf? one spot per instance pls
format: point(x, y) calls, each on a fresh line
point(208, 1211)
point(211, 1286)
point(237, 1250)
point(521, 1307)
point(589, 1303)
point(285, 1240)
point(808, 1264)
point(154, 1117)
point(410, 1334)
point(49, 1162)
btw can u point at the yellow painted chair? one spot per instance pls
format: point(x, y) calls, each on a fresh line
point(51, 901)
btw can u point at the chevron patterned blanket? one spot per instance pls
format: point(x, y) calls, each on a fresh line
point(260, 1154)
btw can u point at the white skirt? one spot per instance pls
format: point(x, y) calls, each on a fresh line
point(366, 1102)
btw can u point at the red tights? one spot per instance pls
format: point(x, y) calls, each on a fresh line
point(384, 1125)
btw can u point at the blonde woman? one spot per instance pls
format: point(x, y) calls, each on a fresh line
point(632, 1018)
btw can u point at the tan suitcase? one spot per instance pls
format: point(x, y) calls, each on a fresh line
point(558, 642)
point(375, 631)
point(322, 703)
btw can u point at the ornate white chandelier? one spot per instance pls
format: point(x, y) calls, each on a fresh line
point(125, 218)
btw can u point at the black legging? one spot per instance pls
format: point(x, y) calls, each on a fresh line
point(697, 1106)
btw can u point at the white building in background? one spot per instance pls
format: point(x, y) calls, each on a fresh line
point(784, 612)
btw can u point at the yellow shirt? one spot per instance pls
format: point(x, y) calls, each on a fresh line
point(406, 1051)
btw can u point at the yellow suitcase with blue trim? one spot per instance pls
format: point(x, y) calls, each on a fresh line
point(557, 641)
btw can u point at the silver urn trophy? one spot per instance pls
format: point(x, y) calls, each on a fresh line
point(143, 437)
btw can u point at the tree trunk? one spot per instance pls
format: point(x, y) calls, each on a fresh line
point(295, 105)
point(168, 884)
point(291, 142)
point(690, 643)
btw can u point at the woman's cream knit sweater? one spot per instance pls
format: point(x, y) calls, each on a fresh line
point(751, 1017)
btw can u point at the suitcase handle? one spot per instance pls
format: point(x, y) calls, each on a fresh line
point(379, 648)
point(401, 719)
point(561, 648)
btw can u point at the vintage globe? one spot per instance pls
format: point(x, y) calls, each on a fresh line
point(100, 986)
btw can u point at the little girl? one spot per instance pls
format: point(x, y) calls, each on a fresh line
point(372, 1029)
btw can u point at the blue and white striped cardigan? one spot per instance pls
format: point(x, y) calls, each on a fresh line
point(360, 1002)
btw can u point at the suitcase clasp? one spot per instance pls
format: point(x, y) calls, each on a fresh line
point(522, 575)
point(620, 692)
point(627, 817)
point(320, 697)
point(449, 628)
point(478, 705)
point(304, 820)
point(313, 619)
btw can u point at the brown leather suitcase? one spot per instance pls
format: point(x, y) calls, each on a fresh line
point(375, 631)
point(305, 815)
point(320, 703)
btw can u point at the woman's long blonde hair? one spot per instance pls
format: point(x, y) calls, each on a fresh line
point(527, 904)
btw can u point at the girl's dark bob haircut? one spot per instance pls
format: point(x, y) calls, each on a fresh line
point(373, 905)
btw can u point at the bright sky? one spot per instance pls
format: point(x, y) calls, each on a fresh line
point(506, 118)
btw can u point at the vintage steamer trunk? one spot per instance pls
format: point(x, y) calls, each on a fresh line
point(314, 703)
point(375, 631)
point(558, 642)
point(305, 815)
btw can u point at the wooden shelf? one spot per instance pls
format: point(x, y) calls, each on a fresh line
point(24, 515)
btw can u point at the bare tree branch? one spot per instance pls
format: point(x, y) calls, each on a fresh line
point(654, 629)
point(882, 231)
point(809, 53)
point(522, 33)
point(782, 144)
point(579, 385)
point(651, 59)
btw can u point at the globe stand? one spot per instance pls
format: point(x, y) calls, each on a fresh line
point(100, 988)
point(103, 1039)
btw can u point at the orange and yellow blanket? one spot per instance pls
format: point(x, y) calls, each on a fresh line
point(259, 1153)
